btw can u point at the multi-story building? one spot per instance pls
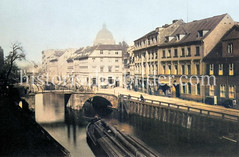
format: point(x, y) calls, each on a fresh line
point(97, 64)
point(146, 60)
point(54, 61)
point(100, 64)
point(183, 51)
point(176, 51)
point(223, 62)
point(129, 60)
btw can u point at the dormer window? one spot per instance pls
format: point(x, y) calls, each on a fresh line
point(179, 36)
point(156, 39)
point(168, 38)
point(201, 33)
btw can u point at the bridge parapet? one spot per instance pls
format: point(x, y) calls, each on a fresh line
point(76, 100)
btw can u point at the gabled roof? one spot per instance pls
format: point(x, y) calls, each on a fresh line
point(59, 53)
point(190, 30)
point(108, 47)
point(169, 30)
point(84, 52)
point(233, 33)
point(148, 34)
point(216, 52)
point(164, 30)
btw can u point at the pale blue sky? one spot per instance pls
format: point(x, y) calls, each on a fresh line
point(52, 24)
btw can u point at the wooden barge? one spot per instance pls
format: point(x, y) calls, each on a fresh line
point(105, 140)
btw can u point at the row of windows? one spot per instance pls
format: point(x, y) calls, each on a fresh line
point(184, 52)
point(109, 69)
point(148, 41)
point(83, 67)
point(187, 89)
point(150, 56)
point(171, 69)
point(102, 52)
point(231, 91)
point(221, 68)
point(102, 60)
point(185, 69)
point(102, 79)
point(178, 37)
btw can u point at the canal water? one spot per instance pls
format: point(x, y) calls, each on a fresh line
point(69, 129)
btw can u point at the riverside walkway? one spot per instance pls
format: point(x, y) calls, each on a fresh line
point(176, 101)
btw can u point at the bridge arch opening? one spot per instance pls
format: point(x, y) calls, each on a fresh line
point(97, 106)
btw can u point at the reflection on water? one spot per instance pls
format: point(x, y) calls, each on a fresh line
point(69, 129)
point(65, 126)
point(49, 108)
point(73, 138)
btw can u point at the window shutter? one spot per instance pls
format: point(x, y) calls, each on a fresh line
point(216, 68)
point(207, 69)
point(234, 69)
point(225, 69)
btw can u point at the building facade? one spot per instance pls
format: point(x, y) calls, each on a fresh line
point(223, 63)
point(101, 64)
point(54, 61)
point(182, 53)
point(146, 57)
point(169, 56)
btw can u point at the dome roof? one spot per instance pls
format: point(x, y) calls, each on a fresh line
point(104, 37)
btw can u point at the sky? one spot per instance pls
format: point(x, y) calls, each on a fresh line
point(57, 24)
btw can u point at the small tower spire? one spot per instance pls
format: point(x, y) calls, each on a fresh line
point(104, 26)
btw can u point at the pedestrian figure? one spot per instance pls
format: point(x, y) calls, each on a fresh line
point(141, 97)
point(129, 96)
point(177, 89)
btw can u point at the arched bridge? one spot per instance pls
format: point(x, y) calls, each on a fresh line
point(77, 100)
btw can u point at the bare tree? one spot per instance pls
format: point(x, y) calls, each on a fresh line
point(17, 53)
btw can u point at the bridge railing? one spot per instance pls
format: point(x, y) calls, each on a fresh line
point(184, 107)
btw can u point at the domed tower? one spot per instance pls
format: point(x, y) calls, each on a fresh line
point(104, 37)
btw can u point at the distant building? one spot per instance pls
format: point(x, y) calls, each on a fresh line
point(100, 64)
point(104, 36)
point(125, 55)
point(1, 57)
point(54, 61)
point(128, 61)
point(223, 62)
